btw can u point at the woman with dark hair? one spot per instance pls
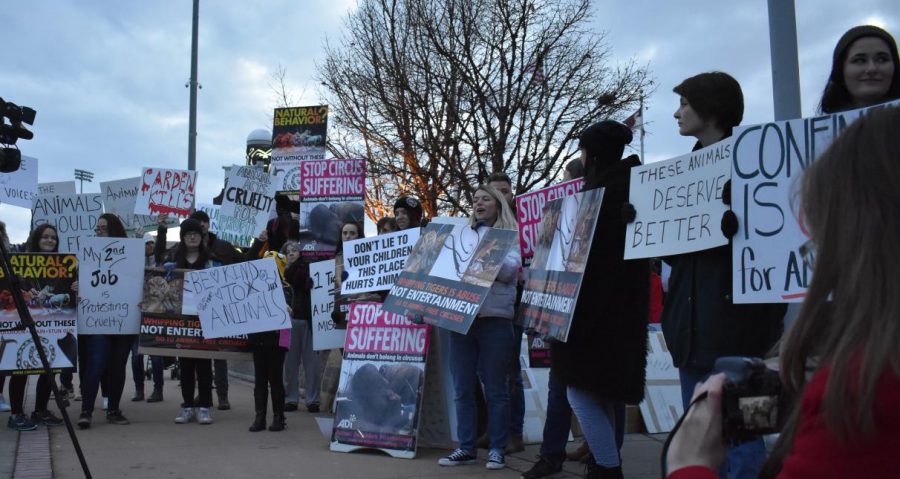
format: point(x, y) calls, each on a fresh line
point(840, 359)
point(699, 320)
point(387, 224)
point(350, 230)
point(574, 169)
point(296, 274)
point(865, 70)
point(105, 355)
point(43, 239)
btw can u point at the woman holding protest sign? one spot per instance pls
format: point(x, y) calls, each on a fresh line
point(865, 71)
point(699, 320)
point(485, 351)
point(105, 355)
point(840, 360)
point(191, 253)
point(43, 239)
point(296, 274)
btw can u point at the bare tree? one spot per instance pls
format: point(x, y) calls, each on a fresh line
point(438, 94)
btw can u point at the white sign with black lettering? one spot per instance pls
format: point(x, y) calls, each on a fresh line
point(373, 264)
point(111, 285)
point(74, 216)
point(325, 333)
point(20, 187)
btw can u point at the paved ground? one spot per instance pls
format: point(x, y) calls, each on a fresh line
point(153, 446)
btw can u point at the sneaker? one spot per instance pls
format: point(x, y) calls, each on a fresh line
point(4, 404)
point(457, 458)
point(20, 422)
point(115, 417)
point(155, 396)
point(496, 460)
point(313, 408)
point(46, 418)
point(542, 468)
point(203, 415)
point(105, 404)
point(84, 420)
point(186, 416)
point(290, 406)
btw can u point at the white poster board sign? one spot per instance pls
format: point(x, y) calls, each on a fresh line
point(119, 198)
point(249, 198)
point(111, 285)
point(662, 405)
point(325, 334)
point(239, 298)
point(216, 222)
point(373, 264)
point(678, 203)
point(20, 187)
point(164, 190)
point(57, 188)
point(74, 217)
point(768, 164)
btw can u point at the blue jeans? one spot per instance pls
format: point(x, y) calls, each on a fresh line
point(516, 387)
point(483, 353)
point(105, 355)
point(137, 368)
point(598, 421)
point(743, 461)
point(558, 423)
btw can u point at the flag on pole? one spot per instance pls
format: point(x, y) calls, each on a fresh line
point(636, 120)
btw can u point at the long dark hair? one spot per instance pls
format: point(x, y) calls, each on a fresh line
point(114, 226)
point(848, 322)
point(33, 245)
point(340, 239)
point(836, 97)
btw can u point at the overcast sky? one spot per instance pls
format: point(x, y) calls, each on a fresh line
point(108, 78)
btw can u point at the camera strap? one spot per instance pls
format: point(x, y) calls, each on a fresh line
point(665, 449)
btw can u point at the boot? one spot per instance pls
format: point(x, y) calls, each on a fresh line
point(278, 422)
point(580, 453)
point(595, 471)
point(515, 444)
point(259, 422)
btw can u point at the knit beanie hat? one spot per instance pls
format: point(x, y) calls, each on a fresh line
point(604, 142)
point(855, 34)
point(412, 205)
point(190, 225)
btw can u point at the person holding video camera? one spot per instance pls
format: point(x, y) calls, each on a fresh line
point(840, 361)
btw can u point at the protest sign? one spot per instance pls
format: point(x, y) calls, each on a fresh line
point(332, 192)
point(20, 187)
point(240, 298)
point(662, 406)
point(561, 252)
point(166, 191)
point(374, 264)
point(449, 273)
point(74, 216)
point(45, 281)
point(167, 332)
point(216, 220)
point(530, 211)
point(57, 188)
point(768, 163)
point(382, 379)
point(248, 199)
point(298, 134)
point(119, 198)
point(538, 352)
point(111, 277)
point(678, 203)
point(326, 335)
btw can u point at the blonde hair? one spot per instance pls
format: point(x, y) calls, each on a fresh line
point(505, 218)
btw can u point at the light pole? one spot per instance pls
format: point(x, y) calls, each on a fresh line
point(82, 176)
point(193, 84)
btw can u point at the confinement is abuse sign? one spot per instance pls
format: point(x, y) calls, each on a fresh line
point(374, 264)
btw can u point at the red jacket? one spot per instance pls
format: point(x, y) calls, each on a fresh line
point(817, 454)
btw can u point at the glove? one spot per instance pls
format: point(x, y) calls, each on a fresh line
point(628, 213)
point(726, 193)
point(344, 276)
point(729, 224)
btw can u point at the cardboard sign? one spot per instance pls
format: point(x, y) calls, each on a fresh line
point(679, 203)
point(449, 273)
point(111, 280)
point(20, 187)
point(382, 380)
point(530, 211)
point(298, 134)
point(240, 298)
point(326, 335)
point(57, 188)
point(332, 192)
point(662, 406)
point(167, 332)
point(166, 191)
point(216, 221)
point(119, 197)
point(248, 200)
point(768, 164)
point(554, 278)
point(374, 264)
point(74, 216)
point(46, 281)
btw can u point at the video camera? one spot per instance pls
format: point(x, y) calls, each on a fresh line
point(753, 404)
point(10, 157)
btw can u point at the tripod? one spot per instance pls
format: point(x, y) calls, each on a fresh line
point(28, 322)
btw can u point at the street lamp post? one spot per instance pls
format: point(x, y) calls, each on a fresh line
point(82, 176)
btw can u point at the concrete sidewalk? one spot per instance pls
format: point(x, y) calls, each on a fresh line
point(153, 446)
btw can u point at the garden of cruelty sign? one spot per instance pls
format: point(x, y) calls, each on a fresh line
point(248, 199)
